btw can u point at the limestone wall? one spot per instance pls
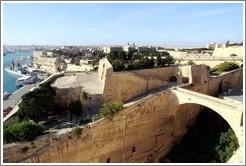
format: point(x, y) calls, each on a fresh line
point(103, 68)
point(142, 132)
point(46, 63)
point(210, 84)
point(200, 74)
point(227, 51)
point(228, 80)
point(212, 63)
point(163, 73)
point(184, 73)
point(121, 86)
point(91, 103)
point(74, 68)
point(65, 95)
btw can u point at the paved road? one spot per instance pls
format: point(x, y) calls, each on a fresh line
point(16, 96)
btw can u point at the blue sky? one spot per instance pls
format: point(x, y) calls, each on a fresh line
point(165, 24)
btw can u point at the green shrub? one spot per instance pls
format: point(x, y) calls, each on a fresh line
point(21, 131)
point(228, 143)
point(77, 131)
point(227, 66)
point(110, 109)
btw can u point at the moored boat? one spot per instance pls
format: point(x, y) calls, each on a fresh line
point(15, 71)
point(28, 79)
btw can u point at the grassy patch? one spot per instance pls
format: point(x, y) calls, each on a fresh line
point(216, 73)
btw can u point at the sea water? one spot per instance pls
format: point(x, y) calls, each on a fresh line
point(9, 79)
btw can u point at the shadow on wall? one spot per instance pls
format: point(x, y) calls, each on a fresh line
point(203, 142)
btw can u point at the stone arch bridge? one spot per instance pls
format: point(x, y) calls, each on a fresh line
point(231, 111)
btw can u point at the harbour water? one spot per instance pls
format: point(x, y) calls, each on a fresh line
point(9, 79)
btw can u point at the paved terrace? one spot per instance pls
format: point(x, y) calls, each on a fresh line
point(89, 80)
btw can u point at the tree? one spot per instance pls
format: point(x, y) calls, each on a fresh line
point(159, 61)
point(168, 60)
point(151, 62)
point(38, 104)
point(130, 54)
point(122, 55)
point(136, 56)
point(165, 54)
point(118, 65)
point(75, 108)
point(228, 143)
point(112, 56)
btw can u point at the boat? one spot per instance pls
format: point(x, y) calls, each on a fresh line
point(16, 68)
point(18, 71)
point(28, 79)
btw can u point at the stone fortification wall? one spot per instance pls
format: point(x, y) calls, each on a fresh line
point(78, 68)
point(200, 74)
point(227, 80)
point(46, 63)
point(210, 84)
point(103, 68)
point(91, 103)
point(199, 79)
point(65, 95)
point(163, 73)
point(227, 51)
point(52, 77)
point(142, 132)
point(121, 86)
point(212, 63)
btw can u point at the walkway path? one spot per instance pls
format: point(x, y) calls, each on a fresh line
point(148, 94)
point(16, 96)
